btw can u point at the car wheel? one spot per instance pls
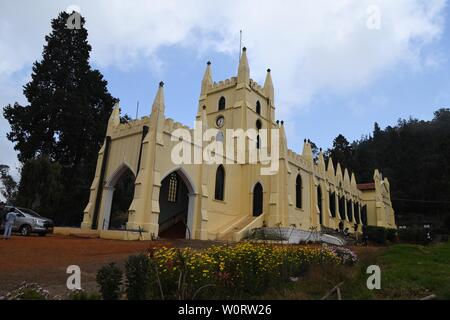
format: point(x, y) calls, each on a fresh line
point(25, 230)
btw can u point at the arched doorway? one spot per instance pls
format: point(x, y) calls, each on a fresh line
point(176, 206)
point(319, 204)
point(118, 193)
point(257, 200)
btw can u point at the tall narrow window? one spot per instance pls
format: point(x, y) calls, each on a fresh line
point(342, 207)
point(258, 142)
point(222, 103)
point(364, 215)
point(298, 192)
point(220, 183)
point(257, 200)
point(258, 107)
point(332, 199)
point(173, 188)
point(356, 212)
point(319, 204)
point(349, 210)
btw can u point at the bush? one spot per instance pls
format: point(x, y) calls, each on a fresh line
point(109, 279)
point(377, 234)
point(391, 235)
point(28, 291)
point(83, 295)
point(413, 235)
point(138, 277)
point(223, 272)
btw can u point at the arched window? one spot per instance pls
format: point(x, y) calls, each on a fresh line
point(258, 142)
point(349, 210)
point(220, 183)
point(342, 207)
point(173, 188)
point(319, 204)
point(356, 212)
point(364, 215)
point(222, 103)
point(332, 199)
point(257, 200)
point(298, 192)
point(258, 107)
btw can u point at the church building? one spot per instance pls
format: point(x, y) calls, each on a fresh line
point(224, 201)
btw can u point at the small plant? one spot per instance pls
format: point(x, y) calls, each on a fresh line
point(109, 279)
point(28, 291)
point(83, 295)
point(377, 234)
point(138, 277)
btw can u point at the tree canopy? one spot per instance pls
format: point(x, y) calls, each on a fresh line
point(66, 116)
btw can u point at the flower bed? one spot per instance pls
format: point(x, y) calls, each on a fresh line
point(243, 270)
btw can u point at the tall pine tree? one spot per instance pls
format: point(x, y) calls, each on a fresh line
point(66, 118)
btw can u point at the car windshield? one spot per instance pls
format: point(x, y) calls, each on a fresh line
point(30, 212)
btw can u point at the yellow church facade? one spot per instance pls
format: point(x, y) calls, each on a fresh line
point(226, 200)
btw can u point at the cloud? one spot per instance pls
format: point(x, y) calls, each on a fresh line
point(312, 47)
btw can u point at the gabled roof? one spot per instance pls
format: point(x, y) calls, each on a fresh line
point(366, 186)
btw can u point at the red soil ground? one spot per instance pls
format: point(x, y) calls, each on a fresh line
point(44, 260)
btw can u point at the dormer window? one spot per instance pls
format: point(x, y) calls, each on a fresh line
point(222, 103)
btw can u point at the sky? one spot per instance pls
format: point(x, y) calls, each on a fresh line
point(337, 65)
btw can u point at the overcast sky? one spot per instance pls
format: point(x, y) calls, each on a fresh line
point(336, 68)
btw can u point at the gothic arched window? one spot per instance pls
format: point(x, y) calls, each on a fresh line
point(298, 192)
point(222, 103)
point(333, 204)
point(258, 107)
point(220, 183)
point(173, 188)
point(257, 200)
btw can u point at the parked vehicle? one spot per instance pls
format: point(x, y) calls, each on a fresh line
point(29, 222)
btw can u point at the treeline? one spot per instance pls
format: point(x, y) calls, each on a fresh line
point(414, 155)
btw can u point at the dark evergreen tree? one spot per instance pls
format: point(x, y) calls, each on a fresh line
point(67, 113)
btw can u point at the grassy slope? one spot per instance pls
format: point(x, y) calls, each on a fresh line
point(407, 272)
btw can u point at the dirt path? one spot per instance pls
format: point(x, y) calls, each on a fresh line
point(44, 260)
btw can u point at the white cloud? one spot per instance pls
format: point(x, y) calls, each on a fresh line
point(310, 46)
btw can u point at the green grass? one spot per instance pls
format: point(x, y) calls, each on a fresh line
point(413, 271)
point(407, 272)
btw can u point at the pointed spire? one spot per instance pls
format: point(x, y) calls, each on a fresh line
point(158, 103)
point(244, 69)
point(207, 81)
point(114, 118)
point(283, 140)
point(307, 151)
point(353, 180)
point(339, 170)
point(330, 167)
point(321, 160)
point(268, 86)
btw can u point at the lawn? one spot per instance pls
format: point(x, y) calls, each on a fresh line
point(407, 272)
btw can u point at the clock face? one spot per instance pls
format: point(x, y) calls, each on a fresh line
point(220, 121)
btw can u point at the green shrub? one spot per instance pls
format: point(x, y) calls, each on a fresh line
point(413, 235)
point(377, 234)
point(138, 277)
point(109, 279)
point(83, 295)
point(391, 235)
